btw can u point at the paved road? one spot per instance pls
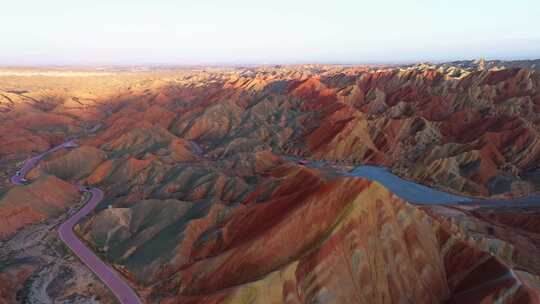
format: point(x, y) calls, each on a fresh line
point(419, 194)
point(423, 195)
point(110, 277)
point(408, 190)
point(18, 179)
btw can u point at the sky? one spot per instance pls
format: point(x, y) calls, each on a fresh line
point(236, 32)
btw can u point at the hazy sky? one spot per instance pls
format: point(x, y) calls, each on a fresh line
point(270, 31)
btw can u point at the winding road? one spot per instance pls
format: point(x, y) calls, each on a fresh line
point(416, 193)
point(109, 276)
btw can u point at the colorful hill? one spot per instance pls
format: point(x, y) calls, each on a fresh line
point(205, 203)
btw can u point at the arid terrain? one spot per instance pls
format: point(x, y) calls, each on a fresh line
point(205, 200)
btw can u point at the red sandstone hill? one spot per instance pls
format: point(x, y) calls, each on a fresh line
point(201, 206)
point(308, 237)
point(47, 196)
point(474, 133)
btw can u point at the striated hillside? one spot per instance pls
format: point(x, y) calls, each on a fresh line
point(47, 196)
point(311, 238)
point(203, 203)
point(473, 132)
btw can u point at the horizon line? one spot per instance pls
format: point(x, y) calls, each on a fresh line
point(255, 64)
